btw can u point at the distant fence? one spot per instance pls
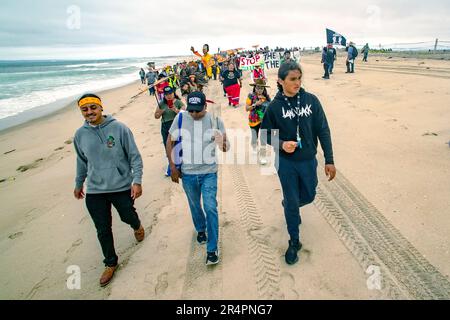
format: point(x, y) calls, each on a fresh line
point(435, 45)
point(438, 45)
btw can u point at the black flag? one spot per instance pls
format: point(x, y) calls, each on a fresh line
point(335, 38)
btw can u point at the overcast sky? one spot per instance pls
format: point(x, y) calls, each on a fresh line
point(110, 28)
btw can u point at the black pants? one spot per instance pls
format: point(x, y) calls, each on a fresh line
point(165, 127)
point(99, 207)
point(299, 182)
point(326, 67)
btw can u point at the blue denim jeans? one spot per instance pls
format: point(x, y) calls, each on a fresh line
point(204, 186)
point(330, 67)
point(298, 182)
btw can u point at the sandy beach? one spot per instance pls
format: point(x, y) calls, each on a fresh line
point(387, 210)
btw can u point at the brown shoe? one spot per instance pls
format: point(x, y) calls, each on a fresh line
point(139, 234)
point(107, 275)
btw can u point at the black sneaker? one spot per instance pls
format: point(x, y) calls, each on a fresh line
point(291, 256)
point(201, 238)
point(212, 258)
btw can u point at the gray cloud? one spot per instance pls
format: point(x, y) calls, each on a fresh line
point(105, 22)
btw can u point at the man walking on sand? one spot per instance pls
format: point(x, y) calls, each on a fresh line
point(352, 53)
point(199, 133)
point(295, 121)
point(107, 157)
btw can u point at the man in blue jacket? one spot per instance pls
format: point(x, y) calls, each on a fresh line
point(352, 52)
point(107, 157)
point(295, 121)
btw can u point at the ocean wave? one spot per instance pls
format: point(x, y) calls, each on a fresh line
point(87, 65)
point(13, 106)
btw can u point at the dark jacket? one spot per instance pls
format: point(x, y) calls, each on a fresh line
point(308, 116)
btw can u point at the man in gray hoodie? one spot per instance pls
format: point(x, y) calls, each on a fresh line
point(107, 157)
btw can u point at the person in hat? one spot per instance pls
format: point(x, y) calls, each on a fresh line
point(110, 162)
point(256, 104)
point(199, 132)
point(191, 84)
point(151, 77)
point(296, 121)
point(167, 111)
point(230, 79)
point(258, 73)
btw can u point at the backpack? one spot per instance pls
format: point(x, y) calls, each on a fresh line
point(178, 151)
point(355, 52)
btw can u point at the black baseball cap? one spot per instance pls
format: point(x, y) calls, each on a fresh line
point(196, 101)
point(168, 90)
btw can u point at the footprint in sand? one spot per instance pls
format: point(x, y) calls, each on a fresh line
point(15, 235)
point(72, 248)
point(263, 234)
point(226, 223)
point(162, 244)
point(60, 148)
point(162, 284)
point(287, 286)
point(305, 255)
point(7, 179)
point(68, 141)
point(83, 220)
point(9, 151)
point(33, 165)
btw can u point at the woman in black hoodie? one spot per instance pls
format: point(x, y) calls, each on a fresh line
point(295, 121)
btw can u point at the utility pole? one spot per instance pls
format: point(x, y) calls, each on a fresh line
point(435, 45)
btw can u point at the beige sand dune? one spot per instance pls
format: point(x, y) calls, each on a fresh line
point(388, 207)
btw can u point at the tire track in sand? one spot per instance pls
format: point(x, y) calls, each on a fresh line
point(374, 241)
point(265, 268)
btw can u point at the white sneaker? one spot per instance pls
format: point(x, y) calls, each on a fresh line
point(263, 161)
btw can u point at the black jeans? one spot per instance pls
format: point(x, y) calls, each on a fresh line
point(99, 207)
point(326, 67)
point(299, 182)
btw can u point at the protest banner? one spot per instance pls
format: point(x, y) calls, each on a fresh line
point(250, 63)
point(272, 60)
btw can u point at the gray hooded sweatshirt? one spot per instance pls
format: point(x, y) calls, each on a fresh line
point(107, 156)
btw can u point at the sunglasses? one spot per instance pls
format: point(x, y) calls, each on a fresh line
point(194, 111)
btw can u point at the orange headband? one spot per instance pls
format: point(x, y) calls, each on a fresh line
point(89, 100)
